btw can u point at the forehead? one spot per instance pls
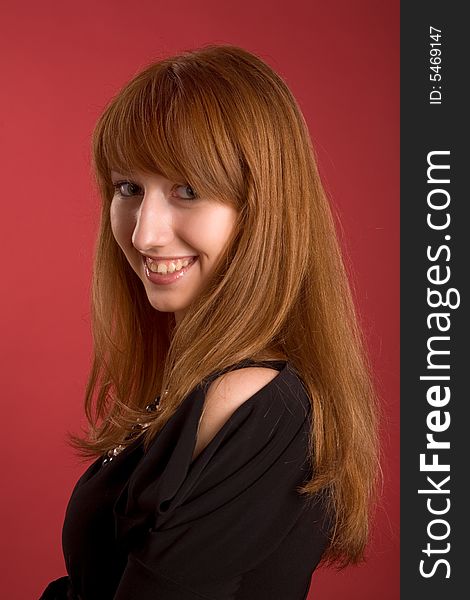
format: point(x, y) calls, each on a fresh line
point(156, 130)
point(137, 174)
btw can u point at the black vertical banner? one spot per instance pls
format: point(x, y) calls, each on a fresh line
point(435, 259)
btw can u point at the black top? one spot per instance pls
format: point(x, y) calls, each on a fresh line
point(228, 525)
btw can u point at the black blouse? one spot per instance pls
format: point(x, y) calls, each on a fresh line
point(228, 525)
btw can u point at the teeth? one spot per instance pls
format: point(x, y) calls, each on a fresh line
point(164, 268)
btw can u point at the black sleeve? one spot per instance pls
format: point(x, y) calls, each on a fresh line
point(219, 517)
point(59, 589)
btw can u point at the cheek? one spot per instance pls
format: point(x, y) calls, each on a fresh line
point(224, 226)
point(122, 224)
point(212, 229)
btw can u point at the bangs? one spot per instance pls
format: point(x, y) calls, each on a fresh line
point(170, 120)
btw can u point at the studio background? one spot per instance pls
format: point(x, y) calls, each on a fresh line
point(61, 62)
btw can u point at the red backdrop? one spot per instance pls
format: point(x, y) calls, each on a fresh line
point(60, 63)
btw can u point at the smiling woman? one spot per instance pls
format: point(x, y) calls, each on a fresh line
point(170, 237)
point(232, 416)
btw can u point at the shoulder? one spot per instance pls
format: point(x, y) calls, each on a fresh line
point(233, 388)
point(225, 395)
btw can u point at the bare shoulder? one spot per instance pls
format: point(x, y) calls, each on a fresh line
point(225, 394)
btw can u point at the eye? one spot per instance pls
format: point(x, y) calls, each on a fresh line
point(126, 189)
point(186, 192)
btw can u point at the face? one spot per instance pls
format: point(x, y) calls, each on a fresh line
point(171, 237)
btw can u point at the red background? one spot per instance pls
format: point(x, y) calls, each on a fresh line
point(60, 63)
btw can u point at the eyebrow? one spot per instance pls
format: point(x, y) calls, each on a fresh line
point(118, 173)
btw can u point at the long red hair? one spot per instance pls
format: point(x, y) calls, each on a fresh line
point(222, 120)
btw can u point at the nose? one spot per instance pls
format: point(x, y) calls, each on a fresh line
point(154, 226)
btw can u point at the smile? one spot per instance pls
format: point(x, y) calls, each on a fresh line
point(168, 266)
point(166, 271)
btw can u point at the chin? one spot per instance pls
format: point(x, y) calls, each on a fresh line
point(167, 307)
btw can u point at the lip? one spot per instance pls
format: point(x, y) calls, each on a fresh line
point(167, 278)
point(167, 257)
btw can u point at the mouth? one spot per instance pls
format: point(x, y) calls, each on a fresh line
point(168, 270)
point(164, 266)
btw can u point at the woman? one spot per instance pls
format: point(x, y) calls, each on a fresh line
point(218, 286)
